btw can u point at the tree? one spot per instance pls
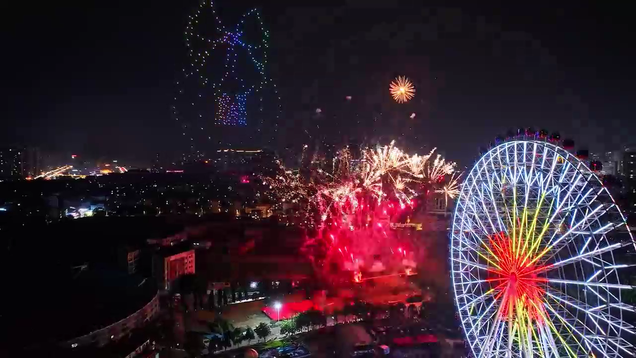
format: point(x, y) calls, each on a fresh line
point(223, 328)
point(263, 330)
point(238, 335)
point(216, 342)
point(288, 327)
point(316, 318)
point(220, 326)
point(303, 320)
point(249, 334)
point(336, 314)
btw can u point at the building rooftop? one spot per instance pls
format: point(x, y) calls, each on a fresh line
point(71, 305)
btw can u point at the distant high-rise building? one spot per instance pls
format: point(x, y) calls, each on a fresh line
point(10, 163)
point(628, 167)
point(611, 163)
point(19, 162)
point(31, 162)
point(628, 174)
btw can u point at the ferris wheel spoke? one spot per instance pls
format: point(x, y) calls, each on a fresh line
point(501, 342)
point(575, 318)
point(562, 200)
point(483, 205)
point(605, 288)
point(550, 245)
point(501, 187)
point(608, 342)
point(552, 164)
point(477, 217)
point(572, 327)
point(496, 210)
point(488, 340)
point(477, 324)
point(478, 299)
point(554, 332)
point(615, 323)
point(589, 334)
point(591, 284)
point(548, 341)
point(586, 255)
point(479, 189)
point(491, 187)
point(578, 201)
point(472, 264)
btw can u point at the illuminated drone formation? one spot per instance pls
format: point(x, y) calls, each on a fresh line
point(402, 89)
point(536, 257)
point(225, 82)
point(349, 205)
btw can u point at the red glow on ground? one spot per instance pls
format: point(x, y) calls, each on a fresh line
point(419, 339)
point(288, 310)
point(516, 280)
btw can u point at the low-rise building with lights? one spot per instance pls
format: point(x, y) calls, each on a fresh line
point(170, 263)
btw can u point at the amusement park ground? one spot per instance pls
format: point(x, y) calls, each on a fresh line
point(322, 342)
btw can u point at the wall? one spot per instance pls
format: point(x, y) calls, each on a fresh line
point(118, 329)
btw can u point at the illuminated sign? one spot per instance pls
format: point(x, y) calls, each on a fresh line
point(417, 226)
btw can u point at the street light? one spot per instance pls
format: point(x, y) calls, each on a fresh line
point(278, 305)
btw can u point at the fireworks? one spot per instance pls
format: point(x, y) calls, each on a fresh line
point(402, 89)
point(348, 207)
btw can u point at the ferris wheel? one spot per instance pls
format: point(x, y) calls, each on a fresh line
point(539, 257)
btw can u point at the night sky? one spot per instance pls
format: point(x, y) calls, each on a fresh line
point(97, 78)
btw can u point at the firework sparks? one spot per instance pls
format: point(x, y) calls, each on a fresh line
point(451, 188)
point(349, 204)
point(402, 89)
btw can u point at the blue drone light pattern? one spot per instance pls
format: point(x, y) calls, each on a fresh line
point(230, 91)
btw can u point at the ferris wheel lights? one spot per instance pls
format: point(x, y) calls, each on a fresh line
point(531, 214)
point(554, 137)
point(530, 132)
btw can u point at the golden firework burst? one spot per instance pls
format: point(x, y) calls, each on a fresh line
point(402, 89)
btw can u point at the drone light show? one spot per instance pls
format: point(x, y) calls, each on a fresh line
point(225, 83)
